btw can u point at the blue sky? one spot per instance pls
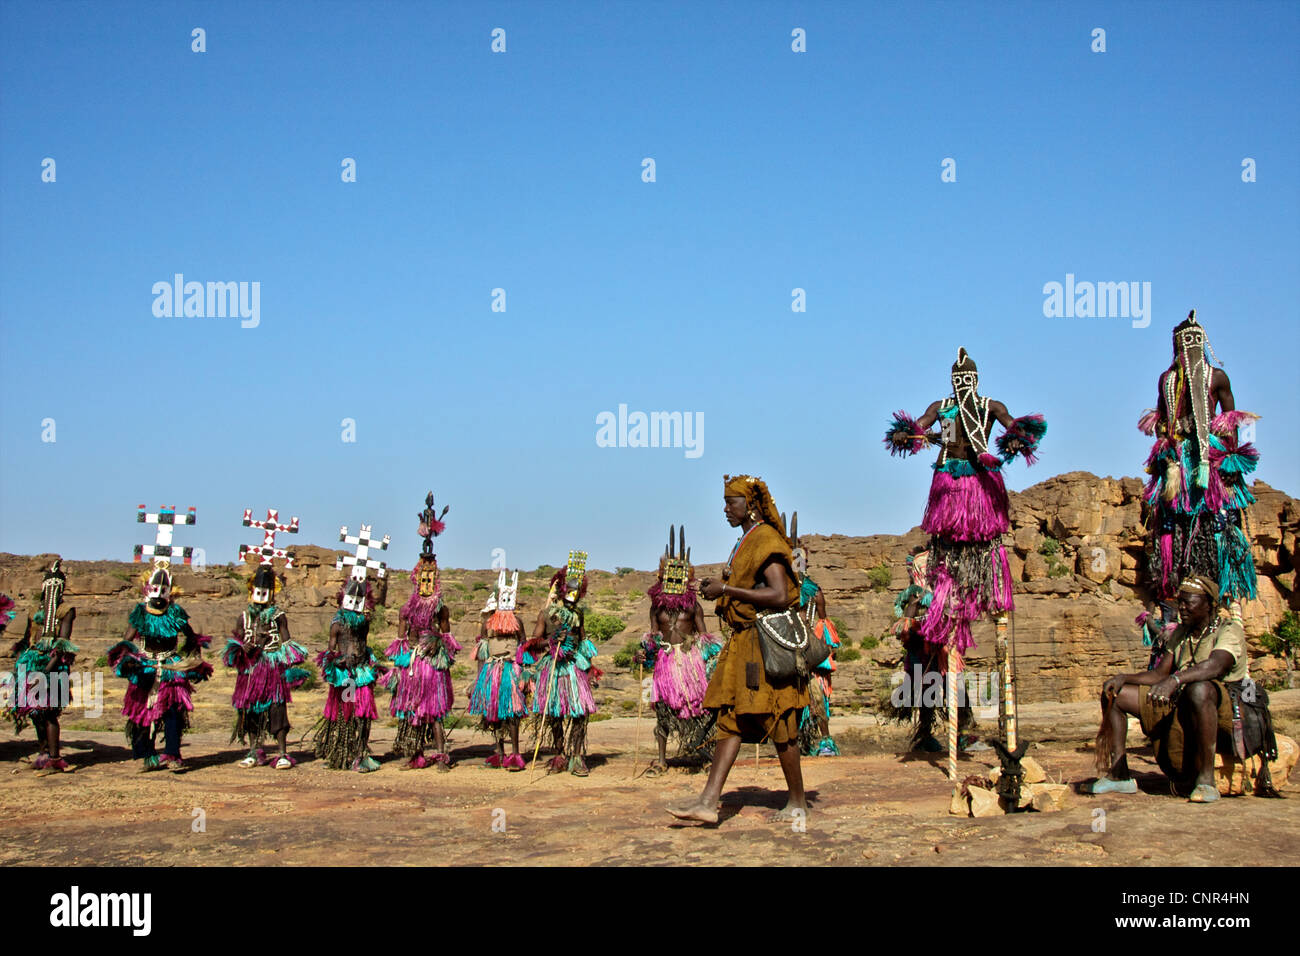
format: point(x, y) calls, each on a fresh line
point(522, 171)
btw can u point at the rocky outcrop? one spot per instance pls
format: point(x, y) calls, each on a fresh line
point(1076, 553)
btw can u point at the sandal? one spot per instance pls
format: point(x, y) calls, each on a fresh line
point(496, 761)
point(285, 762)
point(174, 764)
point(365, 764)
point(578, 767)
point(418, 762)
point(441, 761)
point(656, 769)
point(151, 763)
point(514, 763)
point(249, 761)
point(557, 764)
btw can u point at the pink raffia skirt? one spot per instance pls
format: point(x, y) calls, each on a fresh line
point(967, 508)
point(422, 690)
point(679, 678)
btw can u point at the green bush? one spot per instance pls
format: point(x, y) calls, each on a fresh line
point(546, 569)
point(527, 589)
point(480, 586)
point(846, 654)
point(1284, 642)
point(101, 660)
point(606, 592)
point(1049, 547)
point(841, 628)
point(869, 643)
point(623, 656)
point(1058, 571)
point(635, 595)
point(601, 627)
point(622, 571)
point(880, 576)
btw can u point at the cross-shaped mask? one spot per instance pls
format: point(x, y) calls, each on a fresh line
point(162, 550)
point(269, 527)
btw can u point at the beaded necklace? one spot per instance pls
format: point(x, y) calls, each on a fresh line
point(726, 570)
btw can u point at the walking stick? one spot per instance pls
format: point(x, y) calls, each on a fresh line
point(640, 699)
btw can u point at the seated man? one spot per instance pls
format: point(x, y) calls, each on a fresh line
point(1184, 702)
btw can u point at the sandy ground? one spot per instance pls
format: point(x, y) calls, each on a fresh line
point(870, 806)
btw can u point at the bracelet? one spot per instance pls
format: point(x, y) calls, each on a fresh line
point(1176, 680)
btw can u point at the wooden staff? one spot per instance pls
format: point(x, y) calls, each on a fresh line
point(1006, 664)
point(952, 674)
point(640, 699)
point(541, 714)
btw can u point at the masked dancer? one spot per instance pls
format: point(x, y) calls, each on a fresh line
point(45, 654)
point(498, 697)
point(1197, 496)
point(566, 671)
point(680, 654)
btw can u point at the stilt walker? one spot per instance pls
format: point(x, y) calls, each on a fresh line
point(1197, 496)
point(966, 517)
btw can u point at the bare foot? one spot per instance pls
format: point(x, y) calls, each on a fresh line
point(697, 811)
point(789, 813)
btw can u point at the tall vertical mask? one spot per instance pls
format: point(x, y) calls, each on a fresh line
point(51, 597)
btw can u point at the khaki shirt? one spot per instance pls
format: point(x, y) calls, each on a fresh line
point(1228, 636)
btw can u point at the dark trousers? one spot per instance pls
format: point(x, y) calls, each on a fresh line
point(172, 722)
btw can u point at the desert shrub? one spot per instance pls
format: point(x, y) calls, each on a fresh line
point(635, 595)
point(622, 571)
point(870, 642)
point(1049, 547)
point(880, 576)
point(601, 627)
point(846, 654)
point(623, 656)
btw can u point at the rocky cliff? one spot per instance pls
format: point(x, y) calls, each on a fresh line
point(1077, 560)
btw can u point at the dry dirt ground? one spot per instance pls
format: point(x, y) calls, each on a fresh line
point(871, 806)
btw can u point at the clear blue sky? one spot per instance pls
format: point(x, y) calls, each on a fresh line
point(522, 171)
